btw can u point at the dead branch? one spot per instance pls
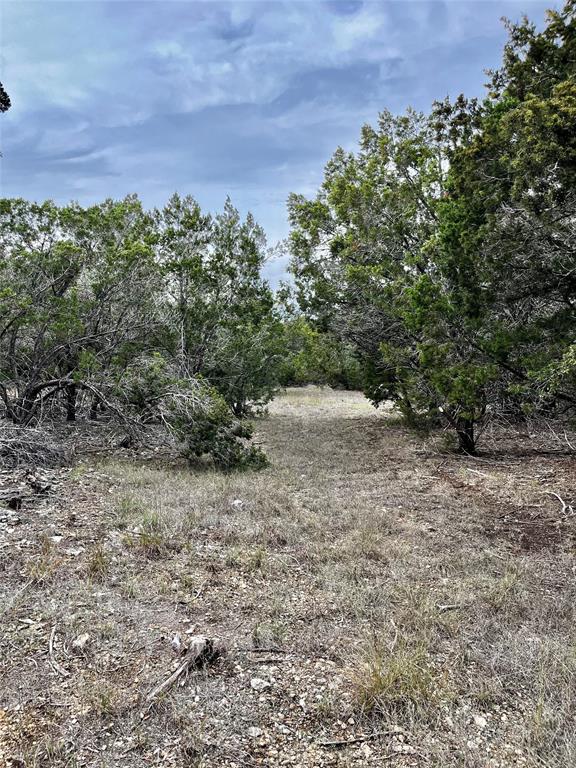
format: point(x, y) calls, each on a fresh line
point(56, 666)
point(28, 447)
point(338, 743)
point(448, 607)
point(202, 651)
point(567, 509)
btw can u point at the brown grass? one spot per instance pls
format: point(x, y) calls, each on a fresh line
point(378, 586)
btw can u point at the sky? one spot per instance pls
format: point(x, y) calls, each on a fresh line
point(246, 99)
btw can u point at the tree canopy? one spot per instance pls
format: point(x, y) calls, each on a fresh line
point(443, 249)
point(158, 315)
point(5, 102)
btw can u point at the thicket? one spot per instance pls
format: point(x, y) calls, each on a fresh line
point(150, 317)
point(436, 268)
point(443, 252)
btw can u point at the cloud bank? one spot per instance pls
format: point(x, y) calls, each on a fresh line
point(215, 98)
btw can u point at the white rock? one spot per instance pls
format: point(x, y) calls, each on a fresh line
point(80, 642)
point(74, 551)
point(258, 684)
point(480, 721)
point(254, 732)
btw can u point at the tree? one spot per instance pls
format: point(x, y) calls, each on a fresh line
point(137, 311)
point(507, 231)
point(5, 102)
point(444, 249)
point(220, 312)
point(76, 293)
point(361, 245)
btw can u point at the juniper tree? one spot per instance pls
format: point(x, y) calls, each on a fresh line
point(444, 248)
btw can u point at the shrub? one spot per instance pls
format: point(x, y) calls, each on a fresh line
point(192, 412)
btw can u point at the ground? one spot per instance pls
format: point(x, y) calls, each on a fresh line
point(382, 602)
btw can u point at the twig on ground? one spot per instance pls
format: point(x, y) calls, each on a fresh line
point(202, 651)
point(337, 743)
point(267, 660)
point(55, 665)
point(567, 509)
point(448, 607)
point(477, 472)
point(272, 649)
point(23, 446)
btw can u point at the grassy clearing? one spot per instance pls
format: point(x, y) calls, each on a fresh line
point(375, 586)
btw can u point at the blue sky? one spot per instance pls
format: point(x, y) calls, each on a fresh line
point(248, 99)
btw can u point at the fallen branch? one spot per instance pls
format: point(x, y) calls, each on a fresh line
point(29, 447)
point(567, 509)
point(448, 607)
point(55, 665)
point(271, 649)
point(477, 472)
point(268, 660)
point(202, 651)
point(337, 743)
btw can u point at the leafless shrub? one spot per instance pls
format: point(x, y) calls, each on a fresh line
point(29, 447)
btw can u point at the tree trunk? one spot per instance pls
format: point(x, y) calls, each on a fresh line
point(71, 402)
point(466, 441)
point(24, 408)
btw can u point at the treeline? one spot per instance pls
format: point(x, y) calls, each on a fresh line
point(444, 250)
point(149, 317)
point(436, 268)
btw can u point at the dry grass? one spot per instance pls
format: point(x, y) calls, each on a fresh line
point(377, 586)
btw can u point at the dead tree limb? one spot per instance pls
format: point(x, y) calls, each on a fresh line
point(202, 651)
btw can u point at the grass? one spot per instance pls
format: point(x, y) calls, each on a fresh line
point(43, 567)
point(98, 562)
point(374, 584)
point(399, 682)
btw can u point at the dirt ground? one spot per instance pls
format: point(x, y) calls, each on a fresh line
point(382, 603)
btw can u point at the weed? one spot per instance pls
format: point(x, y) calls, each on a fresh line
point(43, 567)
point(505, 590)
point(151, 536)
point(268, 635)
point(104, 699)
point(256, 560)
point(98, 563)
point(400, 681)
point(127, 508)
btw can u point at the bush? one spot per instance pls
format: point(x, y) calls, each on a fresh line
point(200, 419)
point(192, 411)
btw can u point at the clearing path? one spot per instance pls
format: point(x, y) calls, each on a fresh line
point(382, 603)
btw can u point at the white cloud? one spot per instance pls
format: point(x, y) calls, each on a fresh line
point(352, 34)
point(248, 98)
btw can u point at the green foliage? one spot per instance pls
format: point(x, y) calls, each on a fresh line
point(75, 286)
point(312, 357)
point(443, 250)
point(146, 316)
point(192, 411)
point(221, 316)
point(210, 428)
